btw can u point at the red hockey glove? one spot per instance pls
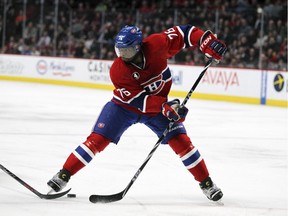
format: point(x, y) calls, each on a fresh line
point(211, 46)
point(173, 111)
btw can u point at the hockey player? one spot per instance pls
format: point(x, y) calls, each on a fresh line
point(142, 81)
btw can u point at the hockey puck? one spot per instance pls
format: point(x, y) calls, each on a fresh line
point(71, 195)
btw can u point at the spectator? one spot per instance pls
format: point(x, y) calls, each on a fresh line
point(250, 60)
point(45, 40)
point(29, 32)
point(94, 27)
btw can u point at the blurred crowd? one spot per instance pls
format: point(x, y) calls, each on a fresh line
point(86, 29)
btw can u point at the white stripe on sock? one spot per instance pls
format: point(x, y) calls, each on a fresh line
point(80, 158)
point(87, 150)
point(189, 154)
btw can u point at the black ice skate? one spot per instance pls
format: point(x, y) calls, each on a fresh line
point(211, 190)
point(59, 181)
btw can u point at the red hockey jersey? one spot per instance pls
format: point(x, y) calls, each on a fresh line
point(145, 90)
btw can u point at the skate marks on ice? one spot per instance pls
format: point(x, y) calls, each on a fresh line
point(245, 148)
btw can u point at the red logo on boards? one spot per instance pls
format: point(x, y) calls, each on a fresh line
point(221, 78)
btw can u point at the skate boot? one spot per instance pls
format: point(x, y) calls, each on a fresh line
point(211, 190)
point(59, 181)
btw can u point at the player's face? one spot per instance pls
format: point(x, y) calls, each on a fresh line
point(126, 54)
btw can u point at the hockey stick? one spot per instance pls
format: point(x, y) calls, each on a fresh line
point(33, 190)
point(118, 196)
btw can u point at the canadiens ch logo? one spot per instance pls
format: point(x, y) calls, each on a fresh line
point(101, 125)
point(136, 75)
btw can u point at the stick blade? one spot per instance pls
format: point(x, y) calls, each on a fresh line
point(106, 198)
point(54, 196)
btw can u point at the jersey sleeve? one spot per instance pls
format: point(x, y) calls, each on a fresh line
point(180, 37)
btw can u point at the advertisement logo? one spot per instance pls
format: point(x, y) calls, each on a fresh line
point(99, 71)
point(278, 82)
point(11, 67)
point(56, 68)
point(42, 67)
point(221, 78)
point(177, 77)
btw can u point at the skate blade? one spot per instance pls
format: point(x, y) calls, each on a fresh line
point(50, 191)
point(219, 202)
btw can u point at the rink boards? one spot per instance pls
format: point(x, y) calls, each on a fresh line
point(251, 86)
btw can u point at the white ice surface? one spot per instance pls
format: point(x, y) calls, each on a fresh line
point(245, 148)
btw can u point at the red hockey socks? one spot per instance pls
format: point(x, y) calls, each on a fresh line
point(85, 152)
point(190, 156)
